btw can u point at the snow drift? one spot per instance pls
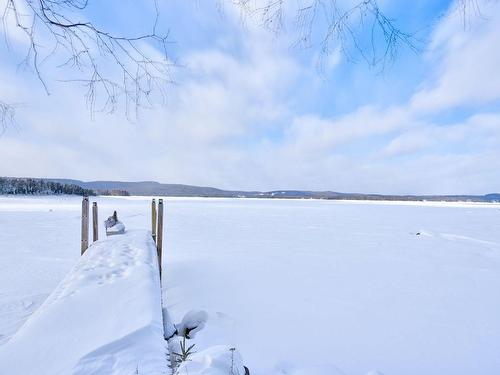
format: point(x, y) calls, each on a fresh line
point(106, 312)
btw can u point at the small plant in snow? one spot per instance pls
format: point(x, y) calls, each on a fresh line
point(185, 352)
point(183, 356)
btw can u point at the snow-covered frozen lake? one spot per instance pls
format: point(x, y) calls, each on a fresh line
point(298, 286)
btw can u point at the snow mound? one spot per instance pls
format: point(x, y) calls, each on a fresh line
point(190, 355)
point(118, 228)
point(216, 360)
point(105, 317)
point(318, 370)
point(194, 321)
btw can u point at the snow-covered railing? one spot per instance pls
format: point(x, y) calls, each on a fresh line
point(105, 317)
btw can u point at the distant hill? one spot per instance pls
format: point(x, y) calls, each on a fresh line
point(148, 188)
point(153, 188)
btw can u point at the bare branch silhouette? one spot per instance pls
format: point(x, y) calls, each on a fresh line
point(330, 25)
point(55, 30)
point(7, 115)
point(59, 34)
point(467, 10)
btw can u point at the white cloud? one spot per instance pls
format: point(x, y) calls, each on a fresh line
point(8, 24)
point(231, 123)
point(466, 63)
point(311, 134)
point(407, 143)
point(220, 100)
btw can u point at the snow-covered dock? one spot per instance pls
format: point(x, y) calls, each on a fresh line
point(106, 312)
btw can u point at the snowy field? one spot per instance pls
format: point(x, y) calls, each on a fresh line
point(300, 287)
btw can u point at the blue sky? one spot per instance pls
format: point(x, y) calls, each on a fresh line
point(248, 111)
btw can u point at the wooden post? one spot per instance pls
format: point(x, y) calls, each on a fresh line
point(95, 227)
point(85, 224)
point(159, 233)
point(153, 219)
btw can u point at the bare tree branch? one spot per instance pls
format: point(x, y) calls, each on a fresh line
point(55, 30)
point(58, 33)
point(7, 115)
point(468, 9)
point(329, 25)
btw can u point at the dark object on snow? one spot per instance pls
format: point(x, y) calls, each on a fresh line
point(247, 371)
point(175, 333)
point(192, 322)
point(111, 221)
point(417, 234)
point(113, 225)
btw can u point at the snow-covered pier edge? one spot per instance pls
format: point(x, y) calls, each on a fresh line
point(105, 317)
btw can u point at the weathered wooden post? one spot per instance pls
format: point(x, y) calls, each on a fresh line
point(85, 224)
point(95, 226)
point(159, 233)
point(153, 219)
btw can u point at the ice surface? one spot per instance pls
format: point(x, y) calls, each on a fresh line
point(294, 286)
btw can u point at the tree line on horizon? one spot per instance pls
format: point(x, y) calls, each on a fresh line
point(38, 186)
